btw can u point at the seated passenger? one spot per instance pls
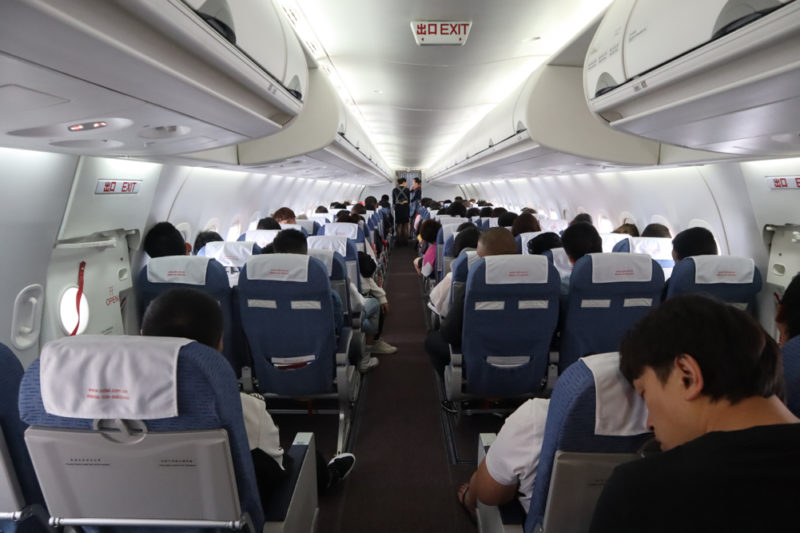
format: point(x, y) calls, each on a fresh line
point(465, 239)
point(457, 209)
point(486, 212)
point(321, 209)
point(709, 376)
point(525, 223)
point(426, 265)
point(627, 228)
point(787, 319)
point(268, 223)
point(582, 218)
point(197, 316)
point(164, 240)
point(656, 230)
point(494, 241)
point(205, 237)
point(546, 241)
point(579, 239)
point(284, 215)
point(689, 243)
point(497, 211)
point(374, 309)
point(506, 220)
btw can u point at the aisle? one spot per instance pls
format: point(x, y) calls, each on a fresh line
point(403, 481)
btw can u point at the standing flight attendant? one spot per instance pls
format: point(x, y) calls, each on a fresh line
point(401, 198)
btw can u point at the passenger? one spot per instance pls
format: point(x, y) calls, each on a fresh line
point(584, 218)
point(268, 223)
point(359, 210)
point(486, 212)
point(457, 209)
point(787, 319)
point(579, 239)
point(426, 265)
point(375, 308)
point(321, 209)
point(465, 239)
point(189, 313)
point(693, 241)
point(506, 220)
point(710, 377)
point(473, 212)
point(400, 199)
point(546, 241)
point(163, 240)
point(627, 228)
point(530, 210)
point(284, 215)
point(497, 211)
point(525, 223)
point(656, 230)
point(205, 237)
point(494, 241)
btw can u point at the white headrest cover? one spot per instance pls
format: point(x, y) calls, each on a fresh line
point(322, 218)
point(610, 239)
point(511, 269)
point(472, 257)
point(614, 268)
point(101, 376)
point(298, 227)
point(187, 269)
point(655, 247)
point(278, 267)
point(449, 229)
point(262, 237)
point(525, 238)
point(233, 253)
point(619, 410)
point(342, 229)
point(556, 226)
point(493, 222)
point(369, 214)
point(561, 261)
point(326, 256)
point(723, 269)
point(328, 242)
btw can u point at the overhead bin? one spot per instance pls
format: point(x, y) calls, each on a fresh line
point(717, 75)
point(171, 82)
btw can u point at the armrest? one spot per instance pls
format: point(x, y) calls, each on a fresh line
point(456, 359)
point(293, 507)
point(344, 347)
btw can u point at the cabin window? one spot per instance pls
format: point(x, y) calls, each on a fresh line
point(254, 221)
point(186, 230)
point(234, 231)
point(604, 224)
point(68, 311)
point(212, 225)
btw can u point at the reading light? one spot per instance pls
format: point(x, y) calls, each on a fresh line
point(87, 126)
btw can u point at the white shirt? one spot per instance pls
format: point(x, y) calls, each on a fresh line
point(440, 295)
point(514, 456)
point(262, 433)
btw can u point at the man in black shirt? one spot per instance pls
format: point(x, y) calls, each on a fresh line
point(710, 377)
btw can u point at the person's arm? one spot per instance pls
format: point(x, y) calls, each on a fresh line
point(484, 487)
point(452, 324)
point(338, 312)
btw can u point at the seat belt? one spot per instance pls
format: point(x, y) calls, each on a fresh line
point(81, 270)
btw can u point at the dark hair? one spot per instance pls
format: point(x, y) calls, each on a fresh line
point(789, 311)
point(290, 241)
point(268, 249)
point(366, 265)
point(370, 202)
point(268, 223)
point(203, 238)
point(321, 209)
point(497, 211)
point(582, 218)
point(545, 241)
point(627, 228)
point(184, 312)
point(457, 209)
point(358, 209)
point(525, 223)
point(506, 220)
point(580, 239)
point(164, 239)
point(736, 357)
point(465, 225)
point(429, 229)
point(284, 213)
point(656, 230)
point(486, 212)
point(694, 241)
point(418, 180)
point(473, 212)
point(530, 210)
point(465, 238)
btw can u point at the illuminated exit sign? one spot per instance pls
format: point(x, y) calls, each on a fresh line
point(427, 33)
point(783, 183)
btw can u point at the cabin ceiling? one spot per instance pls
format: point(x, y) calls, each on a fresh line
point(416, 102)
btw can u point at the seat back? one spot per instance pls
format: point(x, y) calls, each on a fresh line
point(192, 414)
point(735, 280)
point(337, 272)
point(558, 257)
point(523, 239)
point(510, 314)
point(287, 316)
point(311, 227)
point(231, 255)
point(344, 247)
point(346, 229)
point(321, 218)
point(659, 248)
point(791, 373)
point(262, 237)
point(460, 268)
point(622, 245)
point(556, 226)
point(610, 240)
point(608, 293)
point(18, 485)
point(572, 426)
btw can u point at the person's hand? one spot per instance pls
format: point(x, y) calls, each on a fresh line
point(416, 263)
point(385, 308)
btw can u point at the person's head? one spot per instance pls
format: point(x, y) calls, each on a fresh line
point(473, 212)
point(428, 230)
point(358, 209)
point(530, 210)
point(580, 239)
point(290, 241)
point(693, 353)
point(344, 216)
point(627, 228)
point(284, 215)
point(486, 212)
point(582, 218)
point(366, 265)
point(546, 241)
point(268, 249)
point(185, 312)
point(693, 241)
point(787, 317)
point(465, 238)
point(496, 241)
point(401, 182)
point(497, 211)
point(525, 223)
point(417, 182)
point(370, 203)
point(656, 230)
point(268, 223)
point(506, 220)
point(321, 209)
point(457, 209)
point(163, 240)
point(205, 237)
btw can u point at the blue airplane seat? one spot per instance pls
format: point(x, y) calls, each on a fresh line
point(207, 398)
point(559, 259)
point(346, 229)
point(262, 237)
point(608, 293)
point(659, 248)
point(523, 239)
point(337, 273)
point(460, 268)
point(732, 279)
point(622, 246)
point(298, 227)
point(230, 254)
point(344, 247)
point(791, 373)
point(510, 314)
point(311, 227)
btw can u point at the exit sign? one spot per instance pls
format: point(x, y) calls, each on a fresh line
point(783, 182)
point(427, 33)
point(118, 186)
